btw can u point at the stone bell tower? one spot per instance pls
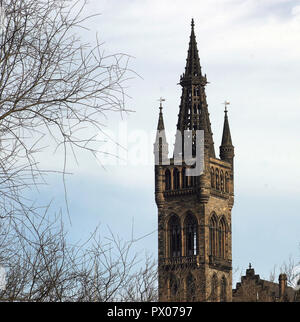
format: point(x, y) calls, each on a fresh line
point(194, 211)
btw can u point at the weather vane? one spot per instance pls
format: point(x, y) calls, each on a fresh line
point(160, 102)
point(226, 103)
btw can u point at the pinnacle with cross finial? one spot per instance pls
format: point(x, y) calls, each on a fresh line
point(160, 102)
point(226, 103)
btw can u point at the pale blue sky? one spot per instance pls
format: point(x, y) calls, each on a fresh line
point(250, 52)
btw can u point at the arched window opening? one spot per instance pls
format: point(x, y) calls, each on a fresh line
point(191, 288)
point(184, 178)
point(194, 181)
point(226, 182)
point(214, 288)
point(213, 236)
point(195, 109)
point(167, 180)
point(196, 90)
point(189, 124)
point(217, 180)
point(223, 297)
point(191, 235)
point(176, 178)
point(175, 236)
point(212, 177)
point(174, 287)
point(222, 180)
point(222, 238)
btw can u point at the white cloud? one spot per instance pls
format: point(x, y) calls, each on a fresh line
point(296, 11)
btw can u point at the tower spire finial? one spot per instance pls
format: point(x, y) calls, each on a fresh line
point(160, 103)
point(192, 24)
point(226, 103)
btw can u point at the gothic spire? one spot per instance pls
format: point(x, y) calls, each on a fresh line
point(161, 144)
point(193, 112)
point(192, 67)
point(160, 125)
point(226, 138)
point(226, 148)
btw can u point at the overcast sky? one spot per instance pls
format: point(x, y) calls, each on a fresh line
point(250, 51)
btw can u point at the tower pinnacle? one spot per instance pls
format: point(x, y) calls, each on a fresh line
point(226, 148)
point(161, 144)
point(161, 126)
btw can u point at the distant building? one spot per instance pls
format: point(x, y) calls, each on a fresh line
point(254, 289)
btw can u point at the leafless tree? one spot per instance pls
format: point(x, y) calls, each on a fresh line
point(56, 89)
point(42, 264)
point(53, 88)
point(292, 270)
point(142, 286)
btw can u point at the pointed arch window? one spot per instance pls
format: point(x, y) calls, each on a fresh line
point(222, 180)
point(213, 236)
point(212, 177)
point(193, 181)
point(175, 236)
point(223, 297)
point(176, 178)
point(214, 288)
point(222, 238)
point(174, 287)
point(184, 178)
point(217, 180)
point(226, 182)
point(191, 235)
point(195, 109)
point(191, 288)
point(167, 180)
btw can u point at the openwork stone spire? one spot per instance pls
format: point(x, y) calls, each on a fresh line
point(193, 110)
